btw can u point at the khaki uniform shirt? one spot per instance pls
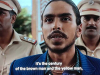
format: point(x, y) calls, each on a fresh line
point(20, 46)
point(93, 53)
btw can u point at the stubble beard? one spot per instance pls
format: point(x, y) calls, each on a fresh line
point(66, 48)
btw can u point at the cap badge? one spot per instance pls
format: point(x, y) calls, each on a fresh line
point(91, 2)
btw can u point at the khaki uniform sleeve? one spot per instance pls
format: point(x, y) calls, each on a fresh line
point(36, 49)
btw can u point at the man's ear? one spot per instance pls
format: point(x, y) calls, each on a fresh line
point(13, 19)
point(79, 30)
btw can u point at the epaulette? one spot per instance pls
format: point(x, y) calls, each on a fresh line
point(27, 39)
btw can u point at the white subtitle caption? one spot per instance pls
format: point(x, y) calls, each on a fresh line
point(47, 68)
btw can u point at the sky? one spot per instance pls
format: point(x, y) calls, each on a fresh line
point(28, 3)
point(25, 3)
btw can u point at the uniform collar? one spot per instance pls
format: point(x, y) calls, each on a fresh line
point(79, 42)
point(16, 37)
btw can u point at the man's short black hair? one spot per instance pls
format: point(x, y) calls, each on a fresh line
point(75, 9)
point(12, 13)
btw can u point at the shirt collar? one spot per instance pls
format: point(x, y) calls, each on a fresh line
point(16, 37)
point(76, 65)
point(80, 42)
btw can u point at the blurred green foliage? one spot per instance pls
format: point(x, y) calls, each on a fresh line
point(23, 22)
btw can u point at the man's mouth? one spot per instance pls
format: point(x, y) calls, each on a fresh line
point(57, 35)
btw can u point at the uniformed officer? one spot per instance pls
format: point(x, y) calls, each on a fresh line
point(90, 18)
point(13, 45)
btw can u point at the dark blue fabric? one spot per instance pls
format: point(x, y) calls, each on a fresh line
point(90, 65)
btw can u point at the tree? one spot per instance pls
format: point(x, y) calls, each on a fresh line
point(23, 22)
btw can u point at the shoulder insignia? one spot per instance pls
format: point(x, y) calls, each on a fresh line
point(27, 39)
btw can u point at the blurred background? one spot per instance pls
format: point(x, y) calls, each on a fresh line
point(29, 20)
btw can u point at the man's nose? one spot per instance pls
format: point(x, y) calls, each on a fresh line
point(57, 25)
point(91, 21)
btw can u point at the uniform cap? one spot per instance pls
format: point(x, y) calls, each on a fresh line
point(89, 7)
point(10, 5)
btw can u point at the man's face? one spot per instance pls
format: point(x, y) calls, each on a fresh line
point(90, 25)
point(59, 26)
point(5, 20)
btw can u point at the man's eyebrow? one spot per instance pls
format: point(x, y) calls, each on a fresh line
point(49, 15)
point(59, 15)
point(64, 14)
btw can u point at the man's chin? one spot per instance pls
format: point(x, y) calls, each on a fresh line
point(58, 50)
point(91, 35)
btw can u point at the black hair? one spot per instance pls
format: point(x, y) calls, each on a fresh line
point(11, 12)
point(75, 9)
